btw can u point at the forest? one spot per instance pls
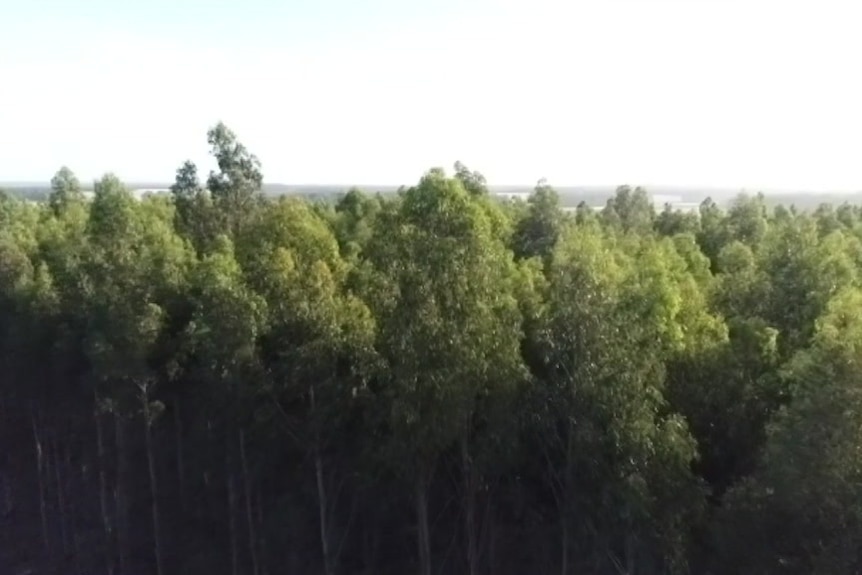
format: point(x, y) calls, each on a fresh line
point(431, 382)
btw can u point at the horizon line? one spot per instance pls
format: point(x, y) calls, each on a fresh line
point(694, 187)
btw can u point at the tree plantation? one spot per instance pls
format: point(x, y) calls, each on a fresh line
point(436, 382)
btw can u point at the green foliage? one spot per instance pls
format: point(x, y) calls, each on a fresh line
point(435, 381)
point(602, 420)
point(630, 210)
point(65, 190)
point(449, 323)
point(809, 475)
point(236, 186)
point(537, 232)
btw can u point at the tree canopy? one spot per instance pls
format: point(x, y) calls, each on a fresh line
point(436, 381)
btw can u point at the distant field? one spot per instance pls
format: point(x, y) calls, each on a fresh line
point(570, 196)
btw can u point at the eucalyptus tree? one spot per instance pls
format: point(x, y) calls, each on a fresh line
point(222, 335)
point(449, 333)
point(672, 221)
point(237, 185)
point(318, 345)
point(616, 463)
point(195, 216)
point(747, 220)
point(799, 512)
point(134, 264)
point(802, 273)
point(473, 181)
point(631, 210)
point(354, 221)
point(537, 233)
point(65, 190)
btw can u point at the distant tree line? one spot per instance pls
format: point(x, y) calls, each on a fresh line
point(216, 382)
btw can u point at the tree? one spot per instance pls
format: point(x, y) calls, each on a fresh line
point(712, 236)
point(134, 263)
point(538, 232)
point(353, 226)
point(65, 190)
point(799, 512)
point(317, 346)
point(747, 220)
point(236, 187)
point(473, 182)
point(195, 216)
point(633, 208)
point(671, 222)
point(448, 332)
point(597, 410)
point(223, 335)
point(803, 274)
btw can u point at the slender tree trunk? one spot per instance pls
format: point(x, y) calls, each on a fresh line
point(368, 533)
point(61, 500)
point(492, 542)
point(565, 502)
point(262, 531)
point(564, 543)
point(7, 505)
point(154, 491)
point(469, 477)
point(120, 493)
point(211, 500)
point(231, 510)
point(322, 505)
point(72, 508)
point(7, 493)
point(323, 511)
point(631, 552)
point(422, 528)
point(103, 496)
point(487, 538)
point(252, 542)
point(40, 468)
point(181, 467)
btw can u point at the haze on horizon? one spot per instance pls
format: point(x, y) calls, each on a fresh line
point(757, 94)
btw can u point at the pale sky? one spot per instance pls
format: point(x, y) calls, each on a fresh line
point(730, 93)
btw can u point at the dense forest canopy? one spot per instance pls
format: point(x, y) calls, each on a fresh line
point(431, 381)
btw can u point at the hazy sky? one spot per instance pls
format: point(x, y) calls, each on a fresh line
point(746, 93)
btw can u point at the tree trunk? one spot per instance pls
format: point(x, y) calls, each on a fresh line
point(72, 509)
point(231, 507)
point(492, 543)
point(8, 529)
point(565, 503)
point(120, 493)
point(488, 540)
point(469, 477)
point(40, 467)
point(252, 542)
point(7, 493)
point(103, 496)
point(631, 553)
point(564, 543)
point(181, 467)
point(371, 546)
point(61, 500)
point(154, 491)
point(422, 528)
point(322, 507)
point(211, 500)
point(262, 531)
